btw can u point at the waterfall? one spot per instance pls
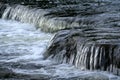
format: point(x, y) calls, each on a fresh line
point(98, 56)
point(93, 49)
point(37, 17)
point(88, 48)
point(2, 8)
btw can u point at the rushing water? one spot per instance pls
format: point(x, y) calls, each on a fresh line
point(22, 48)
point(37, 17)
point(22, 45)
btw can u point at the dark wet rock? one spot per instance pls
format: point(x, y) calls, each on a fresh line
point(2, 8)
point(32, 3)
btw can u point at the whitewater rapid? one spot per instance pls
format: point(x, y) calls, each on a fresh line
point(22, 45)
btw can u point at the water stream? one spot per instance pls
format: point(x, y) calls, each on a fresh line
point(22, 45)
point(22, 48)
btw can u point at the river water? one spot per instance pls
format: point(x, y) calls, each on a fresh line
point(22, 44)
point(21, 50)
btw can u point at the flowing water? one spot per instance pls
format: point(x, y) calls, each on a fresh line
point(22, 45)
point(22, 48)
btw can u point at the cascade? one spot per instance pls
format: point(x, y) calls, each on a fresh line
point(37, 17)
point(87, 49)
point(84, 40)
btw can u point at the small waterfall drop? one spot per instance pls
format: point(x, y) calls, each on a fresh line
point(37, 17)
point(22, 45)
point(88, 49)
point(22, 48)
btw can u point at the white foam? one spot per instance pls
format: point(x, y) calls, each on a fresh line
point(22, 43)
point(22, 38)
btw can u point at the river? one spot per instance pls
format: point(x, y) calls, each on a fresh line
point(21, 50)
point(23, 44)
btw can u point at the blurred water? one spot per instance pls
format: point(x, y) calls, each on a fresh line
point(22, 48)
